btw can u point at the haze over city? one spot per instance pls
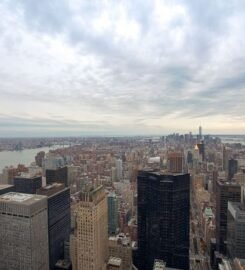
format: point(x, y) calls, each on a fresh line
point(121, 67)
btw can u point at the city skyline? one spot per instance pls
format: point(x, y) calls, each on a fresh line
point(71, 68)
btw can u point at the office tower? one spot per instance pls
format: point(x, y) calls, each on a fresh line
point(232, 168)
point(27, 183)
point(89, 244)
point(189, 157)
point(225, 191)
point(114, 263)
point(119, 168)
point(175, 162)
point(57, 175)
point(59, 220)
point(161, 265)
point(200, 133)
point(163, 219)
point(236, 230)
point(6, 188)
point(201, 148)
point(23, 232)
point(120, 246)
point(112, 213)
point(226, 156)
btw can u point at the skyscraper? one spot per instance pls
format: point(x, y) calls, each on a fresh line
point(163, 219)
point(119, 168)
point(175, 162)
point(57, 175)
point(89, 243)
point(200, 132)
point(23, 232)
point(232, 168)
point(236, 230)
point(27, 183)
point(59, 220)
point(112, 213)
point(225, 191)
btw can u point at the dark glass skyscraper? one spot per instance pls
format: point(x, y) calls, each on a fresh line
point(225, 191)
point(163, 219)
point(27, 183)
point(59, 175)
point(59, 220)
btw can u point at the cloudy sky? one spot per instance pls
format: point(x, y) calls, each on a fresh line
point(81, 67)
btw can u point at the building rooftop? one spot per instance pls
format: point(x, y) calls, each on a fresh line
point(115, 261)
point(228, 183)
point(5, 186)
point(25, 175)
point(21, 198)
point(159, 265)
point(63, 264)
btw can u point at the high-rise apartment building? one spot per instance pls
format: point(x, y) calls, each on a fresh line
point(27, 183)
point(112, 213)
point(175, 162)
point(236, 230)
point(59, 220)
point(225, 191)
point(89, 244)
point(163, 219)
point(23, 232)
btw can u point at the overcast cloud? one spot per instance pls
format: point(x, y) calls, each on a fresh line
point(121, 67)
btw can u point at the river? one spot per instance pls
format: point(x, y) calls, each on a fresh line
point(25, 156)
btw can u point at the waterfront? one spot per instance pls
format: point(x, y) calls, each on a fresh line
point(25, 156)
point(232, 139)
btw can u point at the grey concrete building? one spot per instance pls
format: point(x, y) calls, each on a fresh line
point(23, 232)
point(236, 230)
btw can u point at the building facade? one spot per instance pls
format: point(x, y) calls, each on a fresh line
point(236, 230)
point(57, 175)
point(163, 219)
point(225, 191)
point(112, 213)
point(26, 183)
point(23, 232)
point(120, 246)
point(89, 244)
point(59, 220)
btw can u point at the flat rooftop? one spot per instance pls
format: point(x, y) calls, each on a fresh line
point(21, 198)
point(114, 261)
point(27, 176)
point(5, 186)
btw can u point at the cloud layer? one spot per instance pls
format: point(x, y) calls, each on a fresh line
point(121, 67)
